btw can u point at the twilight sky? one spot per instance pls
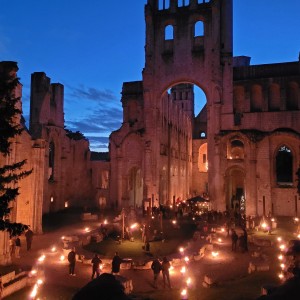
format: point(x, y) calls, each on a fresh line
point(93, 46)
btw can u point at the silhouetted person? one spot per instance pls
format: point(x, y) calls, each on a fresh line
point(29, 238)
point(104, 287)
point(96, 261)
point(165, 266)
point(234, 239)
point(17, 247)
point(156, 268)
point(72, 261)
point(116, 263)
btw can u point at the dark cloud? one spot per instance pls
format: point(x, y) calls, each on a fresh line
point(91, 93)
point(100, 120)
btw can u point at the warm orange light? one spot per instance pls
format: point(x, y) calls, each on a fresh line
point(215, 253)
point(42, 258)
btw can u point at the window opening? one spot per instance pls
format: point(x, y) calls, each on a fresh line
point(284, 166)
point(169, 32)
point(163, 4)
point(199, 29)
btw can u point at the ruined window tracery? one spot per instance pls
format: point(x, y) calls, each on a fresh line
point(284, 166)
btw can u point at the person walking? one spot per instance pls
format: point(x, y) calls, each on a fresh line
point(17, 247)
point(96, 261)
point(156, 268)
point(234, 239)
point(72, 261)
point(116, 263)
point(165, 266)
point(29, 238)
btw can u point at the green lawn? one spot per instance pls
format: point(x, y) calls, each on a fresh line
point(174, 238)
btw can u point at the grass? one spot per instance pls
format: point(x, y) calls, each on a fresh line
point(173, 239)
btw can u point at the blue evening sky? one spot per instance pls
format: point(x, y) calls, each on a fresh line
point(93, 46)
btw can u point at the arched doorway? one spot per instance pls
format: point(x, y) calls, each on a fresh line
point(235, 190)
point(135, 188)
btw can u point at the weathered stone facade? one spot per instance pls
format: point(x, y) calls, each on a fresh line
point(234, 149)
point(241, 150)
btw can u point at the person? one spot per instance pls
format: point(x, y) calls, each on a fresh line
point(72, 261)
point(11, 246)
point(165, 266)
point(116, 263)
point(156, 268)
point(234, 239)
point(17, 247)
point(245, 239)
point(104, 287)
point(96, 261)
point(29, 237)
point(1, 287)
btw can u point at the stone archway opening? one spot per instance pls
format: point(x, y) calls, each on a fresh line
point(235, 190)
point(183, 132)
point(135, 188)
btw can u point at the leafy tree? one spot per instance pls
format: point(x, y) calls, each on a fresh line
point(9, 128)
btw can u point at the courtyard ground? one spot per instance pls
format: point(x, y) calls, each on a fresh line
point(228, 272)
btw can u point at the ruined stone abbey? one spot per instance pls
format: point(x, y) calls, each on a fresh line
point(242, 149)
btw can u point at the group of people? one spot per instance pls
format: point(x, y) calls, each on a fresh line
point(15, 243)
point(14, 246)
point(96, 264)
point(164, 267)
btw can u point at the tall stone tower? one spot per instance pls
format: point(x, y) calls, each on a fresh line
point(178, 52)
point(187, 43)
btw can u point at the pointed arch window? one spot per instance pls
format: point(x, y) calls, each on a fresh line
point(169, 32)
point(284, 166)
point(199, 29)
point(163, 4)
point(183, 3)
point(51, 161)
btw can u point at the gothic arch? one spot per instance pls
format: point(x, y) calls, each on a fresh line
point(284, 165)
point(235, 189)
point(202, 158)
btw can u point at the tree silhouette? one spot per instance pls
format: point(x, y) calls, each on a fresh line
point(10, 174)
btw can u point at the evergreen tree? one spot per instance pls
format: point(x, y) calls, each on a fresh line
point(9, 128)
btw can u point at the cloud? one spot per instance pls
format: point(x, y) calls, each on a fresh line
point(91, 93)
